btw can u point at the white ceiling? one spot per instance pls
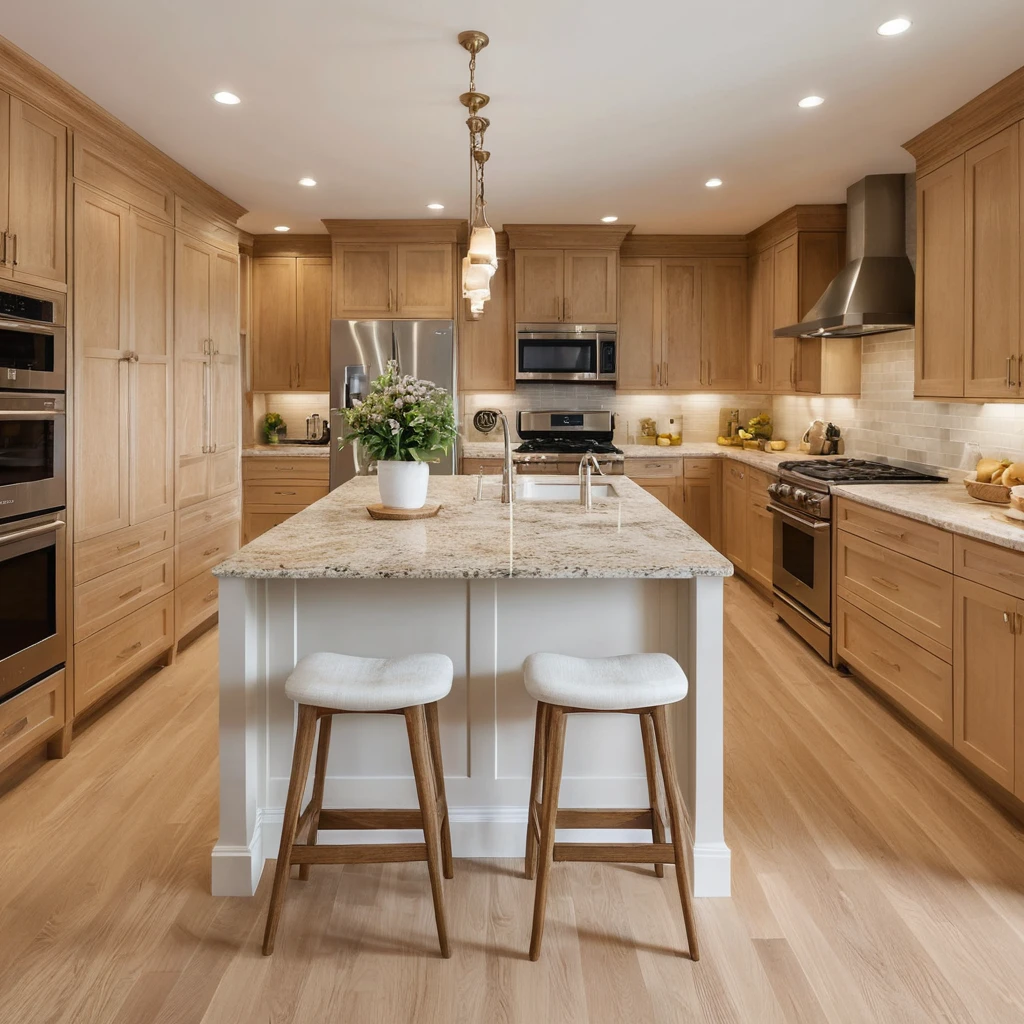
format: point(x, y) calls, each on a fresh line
point(598, 107)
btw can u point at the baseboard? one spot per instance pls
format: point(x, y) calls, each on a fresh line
point(236, 870)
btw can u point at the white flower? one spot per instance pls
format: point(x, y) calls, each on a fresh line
point(399, 403)
point(393, 424)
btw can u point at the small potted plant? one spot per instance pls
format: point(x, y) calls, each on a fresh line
point(404, 423)
point(272, 423)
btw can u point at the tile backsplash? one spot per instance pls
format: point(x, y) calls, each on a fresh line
point(294, 407)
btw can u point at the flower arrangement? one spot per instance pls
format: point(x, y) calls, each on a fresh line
point(272, 423)
point(403, 419)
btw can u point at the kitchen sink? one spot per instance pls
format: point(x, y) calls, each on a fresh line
point(530, 489)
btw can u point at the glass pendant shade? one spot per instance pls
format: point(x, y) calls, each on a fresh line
point(476, 278)
point(483, 246)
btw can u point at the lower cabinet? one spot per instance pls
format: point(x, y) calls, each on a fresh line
point(31, 717)
point(735, 509)
point(760, 530)
point(207, 534)
point(274, 489)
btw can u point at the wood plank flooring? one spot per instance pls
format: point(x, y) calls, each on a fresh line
point(872, 884)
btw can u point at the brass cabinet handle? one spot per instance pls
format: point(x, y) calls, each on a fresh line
point(129, 547)
point(211, 551)
point(391, 299)
point(1011, 621)
point(886, 661)
point(1009, 371)
point(792, 372)
point(14, 728)
point(885, 583)
point(284, 492)
point(128, 650)
point(211, 596)
point(664, 375)
point(895, 534)
point(3, 249)
point(657, 375)
point(129, 593)
point(14, 250)
point(298, 376)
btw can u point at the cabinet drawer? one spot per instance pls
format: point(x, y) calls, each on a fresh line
point(915, 679)
point(472, 467)
point(285, 492)
point(110, 597)
point(194, 602)
point(104, 554)
point(652, 469)
point(734, 473)
point(916, 594)
point(999, 568)
point(116, 653)
point(897, 533)
point(264, 469)
point(31, 717)
point(757, 484)
point(198, 518)
point(698, 469)
point(205, 551)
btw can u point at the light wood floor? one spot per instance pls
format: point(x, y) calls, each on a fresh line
point(872, 884)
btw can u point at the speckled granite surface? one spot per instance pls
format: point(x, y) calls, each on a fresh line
point(630, 537)
point(289, 451)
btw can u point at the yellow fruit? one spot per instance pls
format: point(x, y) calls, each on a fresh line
point(985, 469)
point(1013, 475)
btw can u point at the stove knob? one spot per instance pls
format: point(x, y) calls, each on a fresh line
point(783, 490)
point(800, 496)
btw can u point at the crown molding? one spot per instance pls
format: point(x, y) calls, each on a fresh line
point(567, 236)
point(26, 78)
point(823, 217)
point(684, 245)
point(432, 229)
point(280, 244)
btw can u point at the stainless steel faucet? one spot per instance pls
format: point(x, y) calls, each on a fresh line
point(587, 464)
point(508, 480)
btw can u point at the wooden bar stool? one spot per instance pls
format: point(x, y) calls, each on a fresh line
point(324, 685)
point(633, 684)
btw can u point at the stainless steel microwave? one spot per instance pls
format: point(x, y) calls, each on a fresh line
point(573, 353)
point(32, 341)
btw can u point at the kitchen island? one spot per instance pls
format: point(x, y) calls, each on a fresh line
point(487, 584)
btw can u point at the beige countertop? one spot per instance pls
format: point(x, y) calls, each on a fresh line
point(633, 536)
point(289, 451)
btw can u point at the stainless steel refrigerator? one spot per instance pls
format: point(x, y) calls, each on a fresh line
point(359, 351)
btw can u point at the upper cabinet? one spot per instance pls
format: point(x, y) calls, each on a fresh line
point(486, 354)
point(567, 285)
point(403, 280)
point(33, 195)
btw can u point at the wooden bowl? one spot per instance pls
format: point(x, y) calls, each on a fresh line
point(1017, 497)
point(996, 494)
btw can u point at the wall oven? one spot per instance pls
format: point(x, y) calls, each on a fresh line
point(574, 353)
point(33, 342)
point(32, 600)
point(32, 453)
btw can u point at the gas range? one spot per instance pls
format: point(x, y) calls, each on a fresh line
point(568, 446)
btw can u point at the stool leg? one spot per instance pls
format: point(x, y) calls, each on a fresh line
point(533, 807)
point(651, 764)
point(304, 735)
point(434, 735)
point(677, 817)
point(419, 747)
point(323, 746)
point(549, 803)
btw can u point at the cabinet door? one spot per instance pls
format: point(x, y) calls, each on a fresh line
point(38, 194)
point(760, 309)
point(101, 318)
point(313, 323)
point(724, 323)
point(663, 492)
point(591, 286)
point(992, 312)
point(734, 516)
point(639, 338)
point(785, 311)
point(273, 323)
point(486, 347)
point(425, 281)
point(760, 539)
point(5, 181)
point(682, 366)
point(364, 281)
point(225, 383)
point(699, 510)
point(939, 332)
point(540, 283)
point(151, 371)
point(984, 678)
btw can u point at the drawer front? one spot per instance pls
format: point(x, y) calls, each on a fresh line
point(915, 679)
point(897, 533)
point(104, 554)
point(699, 469)
point(757, 484)
point(915, 593)
point(733, 473)
point(198, 518)
point(118, 652)
point(205, 551)
point(285, 492)
point(31, 717)
point(255, 524)
point(472, 467)
point(653, 469)
point(194, 602)
point(272, 470)
point(999, 568)
point(110, 597)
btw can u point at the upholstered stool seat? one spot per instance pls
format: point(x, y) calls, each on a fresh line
point(605, 684)
point(345, 683)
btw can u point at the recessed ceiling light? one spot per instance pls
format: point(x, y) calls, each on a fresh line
point(228, 98)
point(713, 182)
point(811, 101)
point(282, 227)
point(435, 206)
point(308, 182)
point(894, 27)
point(609, 219)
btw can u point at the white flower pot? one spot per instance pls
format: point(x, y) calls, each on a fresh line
point(403, 484)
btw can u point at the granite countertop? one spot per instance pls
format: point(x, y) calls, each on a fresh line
point(947, 506)
point(630, 537)
point(289, 451)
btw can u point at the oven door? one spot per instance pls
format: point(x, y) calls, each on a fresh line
point(802, 562)
point(32, 454)
point(549, 356)
point(32, 598)
point(32, 356)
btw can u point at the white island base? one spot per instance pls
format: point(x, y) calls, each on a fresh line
point(487, 627)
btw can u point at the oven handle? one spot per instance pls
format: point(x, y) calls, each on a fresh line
point(31, 414)
point(32, 531)
point(809, 523)
point(34, 326)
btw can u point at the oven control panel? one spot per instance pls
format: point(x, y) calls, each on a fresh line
point(816, 504)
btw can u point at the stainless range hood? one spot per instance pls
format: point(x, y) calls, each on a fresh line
point(874, 292)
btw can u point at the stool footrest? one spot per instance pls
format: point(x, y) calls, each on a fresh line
point(391, 853)
point(370, 818)
point(570, 817)
point(616, 853)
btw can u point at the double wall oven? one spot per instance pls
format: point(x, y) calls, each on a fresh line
point(33, 490)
